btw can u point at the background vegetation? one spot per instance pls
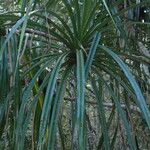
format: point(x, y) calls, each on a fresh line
point(74, 74)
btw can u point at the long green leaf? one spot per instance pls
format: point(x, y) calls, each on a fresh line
point(140, 99)
point(91, 54)
point(122, 115)
point(79, 124)
point(104, 128)
point(48, 101)
point(56, 109)
point(13, 30)
point(25, 99)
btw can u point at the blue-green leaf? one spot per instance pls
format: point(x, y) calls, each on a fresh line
point(140, 99)
point(80, 112)
point(48, 101)
point(91, 54)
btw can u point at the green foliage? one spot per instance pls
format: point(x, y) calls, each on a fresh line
point(57, 58)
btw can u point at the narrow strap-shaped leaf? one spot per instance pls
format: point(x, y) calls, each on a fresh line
point(140, 99)
point(23, 33)
point(48, 99)
point(109, 122)
point(60, 29)
point(122, 82)
point(71, 14)
point(68, 29)
point(88, 7)
point(77, 15)
point(25, 120)
point(122, 115)
point(116, 20)
point(101, 110)
point(60, 37)
point(25, 98)
point(79, 124)
point(56, 109)
point(23, 6)
point(91, 54)
point(87, 20)
point(34, 66)
point(115, 135)
point(13, 30)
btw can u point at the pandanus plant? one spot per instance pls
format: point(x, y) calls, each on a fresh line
point(72, 48)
